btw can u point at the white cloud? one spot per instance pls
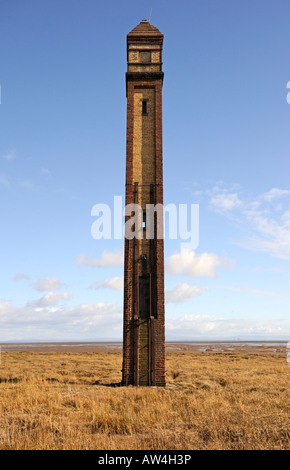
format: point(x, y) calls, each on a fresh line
point(183, 292)
point(5, 306)
point(44, 320)
point(114, 283)
point(188, 263)
point(194, 324)
point(95, 310)
point(36, 321)
point(108, 259)
point(206, 326)
point(47, 284)
point(49, 299)
point(225, 202)
point(19, 276)
point(275, 193)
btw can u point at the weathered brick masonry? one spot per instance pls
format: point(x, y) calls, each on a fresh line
point(144, 336)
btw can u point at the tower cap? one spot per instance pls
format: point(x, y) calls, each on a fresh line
point(144, 28)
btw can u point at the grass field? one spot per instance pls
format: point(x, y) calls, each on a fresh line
point(67, 400)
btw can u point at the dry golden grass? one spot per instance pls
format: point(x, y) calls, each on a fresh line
point(212, 401)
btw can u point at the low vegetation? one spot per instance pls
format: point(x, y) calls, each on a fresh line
point(211, 401)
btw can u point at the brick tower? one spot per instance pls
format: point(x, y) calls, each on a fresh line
point(144, 336)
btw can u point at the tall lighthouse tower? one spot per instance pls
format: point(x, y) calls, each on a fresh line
point(144, 336)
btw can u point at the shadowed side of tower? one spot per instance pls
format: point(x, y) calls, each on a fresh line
point(143, 334)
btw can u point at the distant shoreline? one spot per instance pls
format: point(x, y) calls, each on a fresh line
point(185, 346)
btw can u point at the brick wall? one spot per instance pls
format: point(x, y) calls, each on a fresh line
point(144, 339)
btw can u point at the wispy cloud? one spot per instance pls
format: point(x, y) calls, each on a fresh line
point(253, 291)
point(107, 259)
point(225, 202)
point(114, 283)
point(271, 233)
point(45, 171)
point(27, 184)
point(20, 276)
point(9, 156)
point(275, 193)
point(268, 224)
point(263, 269)
point(47, 284)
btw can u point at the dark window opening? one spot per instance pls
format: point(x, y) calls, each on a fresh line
point(144, 107)
point(145, 57)
point(144, 297)
point(144, 220)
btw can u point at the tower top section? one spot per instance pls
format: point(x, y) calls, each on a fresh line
point(145, 29)
point(144, 51)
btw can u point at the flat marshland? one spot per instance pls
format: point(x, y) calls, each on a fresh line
point(215, 398)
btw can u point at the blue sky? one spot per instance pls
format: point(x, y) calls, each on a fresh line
point(226, 137)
